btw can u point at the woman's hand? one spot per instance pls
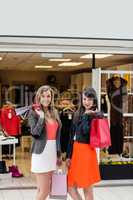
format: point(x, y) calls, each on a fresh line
point(40, 113)
point(68, 162)
point(59, 162)
point(90, 112)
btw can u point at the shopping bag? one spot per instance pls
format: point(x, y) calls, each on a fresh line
point(59, 185)
point(100, 133)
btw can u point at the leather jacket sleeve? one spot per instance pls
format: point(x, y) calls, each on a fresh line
point(35, 123)
point(71, 141)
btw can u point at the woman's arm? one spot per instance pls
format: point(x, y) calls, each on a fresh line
point(71, 138)
point(36, 124)
point(58, 142)
point(70, 146)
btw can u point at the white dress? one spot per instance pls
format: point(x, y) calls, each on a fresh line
point(46, 161)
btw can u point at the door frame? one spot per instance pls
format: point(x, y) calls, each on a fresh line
point(65, 45)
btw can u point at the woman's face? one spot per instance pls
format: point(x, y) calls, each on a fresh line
point(46, 98)
point(87, 102)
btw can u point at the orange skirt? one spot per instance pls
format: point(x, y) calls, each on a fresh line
point(84, 169)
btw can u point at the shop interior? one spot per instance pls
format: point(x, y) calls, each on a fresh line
point(21, 74)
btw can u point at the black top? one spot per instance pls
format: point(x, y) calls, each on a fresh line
point(80, 130)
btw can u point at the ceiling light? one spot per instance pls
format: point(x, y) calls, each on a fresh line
point(99, 56)
point(1, 58)
point(52, 55)
point(70, 64)
point(43, 67)
point(60, 59)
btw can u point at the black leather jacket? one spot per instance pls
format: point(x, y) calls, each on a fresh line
point(80, 130)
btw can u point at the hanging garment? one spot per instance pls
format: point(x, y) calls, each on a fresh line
point(103, 104)
point(66, 120)
point(10, 122)
point(117, 94)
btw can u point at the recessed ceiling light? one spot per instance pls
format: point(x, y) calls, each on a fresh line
point(1, 58)
point(60, 59)
point(89, 56)
point(52, 55)
point(43, 67)
point(70, 64)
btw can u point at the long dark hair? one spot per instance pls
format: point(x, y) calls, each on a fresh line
point(90, 93)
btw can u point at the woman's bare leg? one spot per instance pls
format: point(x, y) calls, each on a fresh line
point(43, 185)
point(74, 193)
point(88, 193)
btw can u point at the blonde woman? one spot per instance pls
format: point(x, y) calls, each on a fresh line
point(45, 129)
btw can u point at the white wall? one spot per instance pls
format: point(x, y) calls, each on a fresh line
point(67, 18)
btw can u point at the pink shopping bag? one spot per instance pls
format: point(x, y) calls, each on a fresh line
point(59, 186)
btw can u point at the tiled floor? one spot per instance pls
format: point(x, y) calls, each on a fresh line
point(7, 182)
point(100, 193)
point(25, 188)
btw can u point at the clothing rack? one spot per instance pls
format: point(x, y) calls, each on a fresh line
point(96, 84)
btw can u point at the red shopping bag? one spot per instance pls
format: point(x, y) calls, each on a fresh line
point(100, 133)
point(59, 186)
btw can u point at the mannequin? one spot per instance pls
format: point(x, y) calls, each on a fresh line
point(117, 94)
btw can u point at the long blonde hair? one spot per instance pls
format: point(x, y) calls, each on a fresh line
point(51, 107)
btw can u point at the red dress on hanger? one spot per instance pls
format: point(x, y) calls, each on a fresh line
point(10, 122)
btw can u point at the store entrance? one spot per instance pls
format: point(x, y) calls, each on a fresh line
point(21, 74)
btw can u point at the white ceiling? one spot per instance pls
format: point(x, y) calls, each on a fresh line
point(27, 61)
